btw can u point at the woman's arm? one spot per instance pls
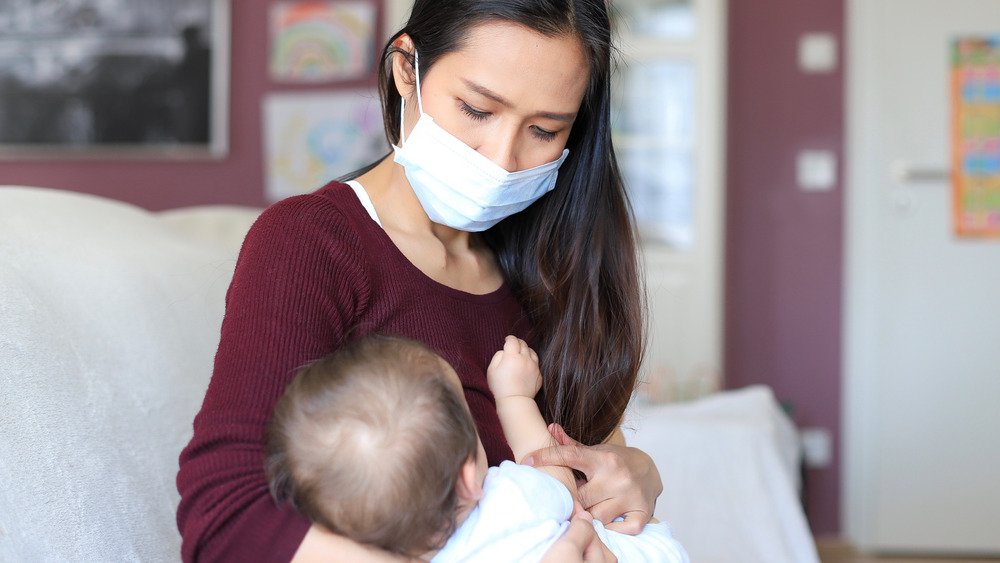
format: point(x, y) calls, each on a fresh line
point(620, 481)
point(296, 289)
point(320, 546)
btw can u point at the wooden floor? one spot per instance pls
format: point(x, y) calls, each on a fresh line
point(836, 551)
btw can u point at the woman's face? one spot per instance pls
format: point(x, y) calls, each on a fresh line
point(510, 93)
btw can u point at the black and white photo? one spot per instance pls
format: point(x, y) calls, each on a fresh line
point(113, 76)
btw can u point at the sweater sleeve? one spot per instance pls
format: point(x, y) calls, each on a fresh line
point(297, 287)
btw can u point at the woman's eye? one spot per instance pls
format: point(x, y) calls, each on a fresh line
point(479, 115)
point(474, 113)
point(543, 134)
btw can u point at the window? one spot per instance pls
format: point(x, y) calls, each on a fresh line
point(666, 57)
point(668, 133)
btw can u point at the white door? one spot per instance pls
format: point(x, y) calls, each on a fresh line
point(668, 131)
point(922, 340)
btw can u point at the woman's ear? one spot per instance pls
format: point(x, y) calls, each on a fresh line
point(402, 68)
point(470, 488)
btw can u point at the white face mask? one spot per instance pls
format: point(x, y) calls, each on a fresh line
point(459, 187)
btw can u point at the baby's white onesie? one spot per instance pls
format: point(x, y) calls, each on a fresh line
point(523, 511)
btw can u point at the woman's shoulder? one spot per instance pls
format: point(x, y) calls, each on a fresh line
point(331, 212)
point(334, 202)
point(314, 223)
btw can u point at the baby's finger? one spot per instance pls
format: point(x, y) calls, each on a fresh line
point(511, 345)
point(495, 360)
point(517, 345)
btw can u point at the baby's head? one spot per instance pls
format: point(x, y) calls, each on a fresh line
point(375, 442)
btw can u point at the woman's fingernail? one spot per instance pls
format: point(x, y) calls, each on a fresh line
point(530, 460)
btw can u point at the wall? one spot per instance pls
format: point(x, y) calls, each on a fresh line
point(783, 256)
point(783, 246)
point(236, 179)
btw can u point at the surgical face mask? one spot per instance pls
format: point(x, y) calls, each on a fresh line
point(459, 187)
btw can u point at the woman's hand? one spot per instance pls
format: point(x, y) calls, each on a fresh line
point(620, 481)
point(579, 543)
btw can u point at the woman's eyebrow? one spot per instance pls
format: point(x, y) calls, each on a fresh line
point(486, 92)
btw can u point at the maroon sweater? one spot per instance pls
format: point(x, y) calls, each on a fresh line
point(314, 271)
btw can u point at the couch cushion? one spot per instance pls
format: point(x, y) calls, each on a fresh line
point(109, 320)
point(729, 465)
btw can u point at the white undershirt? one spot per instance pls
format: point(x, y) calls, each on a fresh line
point(366, 201)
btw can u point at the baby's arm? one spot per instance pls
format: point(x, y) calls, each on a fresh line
point(514, 379)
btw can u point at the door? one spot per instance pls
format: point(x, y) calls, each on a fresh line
point(922, 342)
point(668, 124)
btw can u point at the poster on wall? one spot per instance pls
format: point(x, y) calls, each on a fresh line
point(114, 78)
point(312, 138)
point(322, 42)
point(976, 129)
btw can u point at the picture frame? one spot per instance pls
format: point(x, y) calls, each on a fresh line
point(313, 137)
point(114, 78)
point(975, 176)
point(322, 42)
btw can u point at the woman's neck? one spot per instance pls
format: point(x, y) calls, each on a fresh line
point(395, 200)
point(455, 258)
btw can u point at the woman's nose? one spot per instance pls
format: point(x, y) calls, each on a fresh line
point(501, 148)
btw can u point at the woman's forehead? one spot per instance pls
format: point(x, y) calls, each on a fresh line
point(521, 65)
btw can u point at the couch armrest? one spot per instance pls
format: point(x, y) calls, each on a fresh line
point(730, 476)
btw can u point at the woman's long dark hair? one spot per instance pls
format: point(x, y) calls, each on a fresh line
point(571, 257)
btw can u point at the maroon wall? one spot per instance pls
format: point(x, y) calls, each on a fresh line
point(783, 246)
point(783, 255)
point(163, 184)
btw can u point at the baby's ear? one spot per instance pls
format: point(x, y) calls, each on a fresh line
point(470, 488)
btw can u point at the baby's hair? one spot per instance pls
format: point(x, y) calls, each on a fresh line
point(369, 443)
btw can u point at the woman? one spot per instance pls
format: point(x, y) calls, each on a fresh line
point(442, 244)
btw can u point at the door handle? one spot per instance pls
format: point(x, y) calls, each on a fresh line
point(906, 173)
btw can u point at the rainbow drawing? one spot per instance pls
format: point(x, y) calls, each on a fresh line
point(322, 41)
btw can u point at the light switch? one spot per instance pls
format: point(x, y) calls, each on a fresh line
point(817, 53)
point(816, 170)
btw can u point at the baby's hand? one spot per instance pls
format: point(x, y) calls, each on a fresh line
point(514, 370)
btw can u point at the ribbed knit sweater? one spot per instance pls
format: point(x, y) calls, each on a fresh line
point(315, 271)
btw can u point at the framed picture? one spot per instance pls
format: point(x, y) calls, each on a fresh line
point(976, 136)
point(146, 78)
point(311, 138)
point(321, 42)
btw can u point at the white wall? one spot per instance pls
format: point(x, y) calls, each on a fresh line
point(396, 12)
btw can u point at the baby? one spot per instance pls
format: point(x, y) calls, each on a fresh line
point(375, 442)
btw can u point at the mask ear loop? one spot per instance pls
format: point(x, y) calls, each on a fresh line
point(416, 66)
point(402, 101)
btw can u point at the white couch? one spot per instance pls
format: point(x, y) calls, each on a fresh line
point(109, 319)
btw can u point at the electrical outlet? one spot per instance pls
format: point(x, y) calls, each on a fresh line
point(817, 447)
